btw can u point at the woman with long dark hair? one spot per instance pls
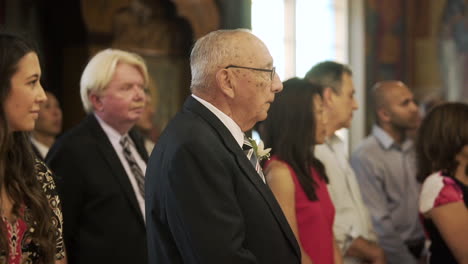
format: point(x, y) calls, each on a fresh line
point(295, 124)
point(442, 155)
point(31, 221)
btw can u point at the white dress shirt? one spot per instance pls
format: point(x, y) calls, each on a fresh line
point(43, 149)
point(352, 218)
point(228, 122)
point(114, 137)
point(225, 119)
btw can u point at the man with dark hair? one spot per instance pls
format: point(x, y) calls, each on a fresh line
point(385, 166)
point(352, 227)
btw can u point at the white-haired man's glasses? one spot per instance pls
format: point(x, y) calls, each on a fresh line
point(272, 71)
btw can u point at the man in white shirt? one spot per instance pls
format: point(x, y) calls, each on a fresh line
point(353, 227)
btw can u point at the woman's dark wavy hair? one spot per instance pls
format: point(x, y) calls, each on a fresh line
point(442, 135)
point(17, 164)
point(290, 131)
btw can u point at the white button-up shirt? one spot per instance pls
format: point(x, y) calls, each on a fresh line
point(114, 137)
point(352, 218)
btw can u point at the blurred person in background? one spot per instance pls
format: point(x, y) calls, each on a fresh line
point(145, 124)
point(48, 126)
point(352, 228)
point(442, 154)
point(385, 166)
point(295, 124)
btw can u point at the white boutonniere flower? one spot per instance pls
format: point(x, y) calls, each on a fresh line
point(260, 150)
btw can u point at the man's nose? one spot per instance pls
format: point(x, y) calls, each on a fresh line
point(355, 104)
point(139, 92)
point(276, 85)
point(414, 107)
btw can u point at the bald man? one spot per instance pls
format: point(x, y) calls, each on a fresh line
point(386, 171)
point(207, 202)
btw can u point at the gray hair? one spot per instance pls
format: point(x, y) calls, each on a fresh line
point(100, 70)
point(328, 74)
point(209, 53)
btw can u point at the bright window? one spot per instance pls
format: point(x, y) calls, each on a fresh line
point(269, 27)
point(301, 33)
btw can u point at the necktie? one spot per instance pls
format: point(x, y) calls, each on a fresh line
point(252, 156)
point(136, 170)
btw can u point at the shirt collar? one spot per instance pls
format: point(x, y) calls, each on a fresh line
point(387, 141)
point(43, 149)
point(334, 139)
point(407, 145)
point(111, 133)
point(335, 144)
point(225, 119)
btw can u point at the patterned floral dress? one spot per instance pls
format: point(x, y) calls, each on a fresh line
point(22, 248)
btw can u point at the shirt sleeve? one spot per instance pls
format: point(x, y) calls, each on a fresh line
point(343, 228)
point(46, 180)
point(372, 184)
point(438, 190)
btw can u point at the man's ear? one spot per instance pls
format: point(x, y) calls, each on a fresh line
point(327, 96)
point(383, 115)
point(96, 101)
point(225, 82)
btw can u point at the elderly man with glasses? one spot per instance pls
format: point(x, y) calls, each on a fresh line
point(207, 201)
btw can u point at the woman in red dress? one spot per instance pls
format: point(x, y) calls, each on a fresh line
point(294, 125)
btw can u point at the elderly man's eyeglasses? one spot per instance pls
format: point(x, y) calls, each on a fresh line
point(272, 71)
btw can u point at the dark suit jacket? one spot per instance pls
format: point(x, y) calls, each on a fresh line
point(205, 201)
point(102, 220)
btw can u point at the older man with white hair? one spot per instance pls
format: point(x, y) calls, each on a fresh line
point(207, 201)
point(101, 162)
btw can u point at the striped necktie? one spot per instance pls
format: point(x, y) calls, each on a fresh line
point(252, 156)
point(136, 170)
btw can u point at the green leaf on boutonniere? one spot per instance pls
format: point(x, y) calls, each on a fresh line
point(259, 149)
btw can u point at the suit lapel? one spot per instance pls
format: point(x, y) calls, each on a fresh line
point(113, 162)
point(193, 105)
point(265, 191)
